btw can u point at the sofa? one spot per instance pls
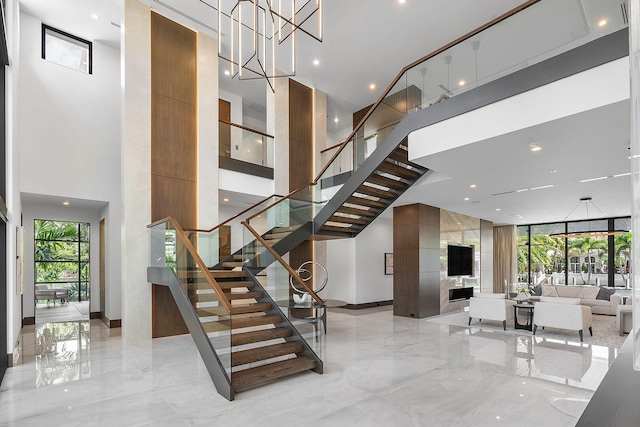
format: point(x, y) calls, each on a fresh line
point(600, 300)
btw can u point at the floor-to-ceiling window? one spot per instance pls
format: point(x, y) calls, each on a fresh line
point(594, 252)
point(62, 257)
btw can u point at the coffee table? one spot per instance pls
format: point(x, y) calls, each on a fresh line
point(528, 307)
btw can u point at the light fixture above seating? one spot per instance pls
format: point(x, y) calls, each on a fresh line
point(589, 230)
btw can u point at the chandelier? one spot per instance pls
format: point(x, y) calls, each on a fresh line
point(261, 42)
point(588, 230)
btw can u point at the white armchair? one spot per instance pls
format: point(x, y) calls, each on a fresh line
point(562, 313)
point(489, 306)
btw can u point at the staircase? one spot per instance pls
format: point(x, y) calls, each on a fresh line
point(244, 338)
point(259, 333)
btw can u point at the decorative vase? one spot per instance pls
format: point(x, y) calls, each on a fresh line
point(305, 298)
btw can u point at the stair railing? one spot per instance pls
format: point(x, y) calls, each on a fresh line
point(175, 263)
point(391, 107)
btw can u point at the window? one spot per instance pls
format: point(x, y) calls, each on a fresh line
point(66, 49)
point(61, 255)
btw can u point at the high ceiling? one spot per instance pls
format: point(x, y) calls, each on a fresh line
point(369, 42)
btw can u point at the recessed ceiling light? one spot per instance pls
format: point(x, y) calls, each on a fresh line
point(316, 62)
point(336, 120)
point(226, 72)
point(402, 1)
point(534, 147)
point(462, 83)
point(372, 86)
point(466, 199)
point(66, 203)
point(602, 23)
point(95, 16)
point(497, 209)
point(553, 171)
point(225, 199)
point(472, 186)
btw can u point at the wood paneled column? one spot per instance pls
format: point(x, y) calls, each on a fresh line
point(416, 261)
point(174, 145)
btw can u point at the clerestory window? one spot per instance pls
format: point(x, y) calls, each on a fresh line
point(66, 49)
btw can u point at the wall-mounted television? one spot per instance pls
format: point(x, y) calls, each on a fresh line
point(459, 260)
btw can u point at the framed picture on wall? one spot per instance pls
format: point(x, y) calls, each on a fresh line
point(388, 263)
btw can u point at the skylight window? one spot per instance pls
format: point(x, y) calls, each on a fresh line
point(66, 49)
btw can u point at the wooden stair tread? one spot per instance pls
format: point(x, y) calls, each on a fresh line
point(397, 170)
point(355, 200)
point(274, 236)
point(339, 229)
point(236, 284)
point(224, 274)
point(232, 296)
point(386, 182)
point(347, 220)
point(258, 336)
point(376, 192)
point(249, 378)
point(246, 322)
point(356, 211)
point(400, 155)
point(231, 264)
point(237, 257)
point(266, 352)
point(258, 307)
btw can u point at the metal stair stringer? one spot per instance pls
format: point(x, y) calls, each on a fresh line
point(383, 157)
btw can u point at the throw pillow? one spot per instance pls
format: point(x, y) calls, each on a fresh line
point(605, 293)
point(588, 292)
point(549, 291)
point(537, 290)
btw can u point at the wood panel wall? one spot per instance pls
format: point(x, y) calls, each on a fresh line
point(416, 261)
point(301, 155)
point(173, 145)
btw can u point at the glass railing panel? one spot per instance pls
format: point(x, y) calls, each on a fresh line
point(294, 303)
point(218, 245)
point(512, 45)
point(244, 144)
point(170, 247)
point(340, 168)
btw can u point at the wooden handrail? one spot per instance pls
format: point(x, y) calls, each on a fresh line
point(287, 267)
point(413, 64)
point(246, 128)
point(222, 298)
point(459, 40)
point(333, 147)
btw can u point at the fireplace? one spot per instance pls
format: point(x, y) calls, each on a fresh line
point(459, 294)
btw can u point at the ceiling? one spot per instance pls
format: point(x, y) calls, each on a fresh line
point(371, 44)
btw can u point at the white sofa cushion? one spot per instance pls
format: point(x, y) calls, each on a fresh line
point(589, 292)
point(560, 300)
point(549, 291)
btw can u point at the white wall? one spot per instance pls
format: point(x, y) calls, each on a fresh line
point(14, 311)
point(69, 137)
point(35, 211)
point(356, 266)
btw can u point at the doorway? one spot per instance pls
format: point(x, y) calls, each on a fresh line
point(61, 270)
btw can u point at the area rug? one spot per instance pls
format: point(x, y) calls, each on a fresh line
point(604, 328)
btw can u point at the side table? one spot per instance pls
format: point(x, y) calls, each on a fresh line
point(528, 308)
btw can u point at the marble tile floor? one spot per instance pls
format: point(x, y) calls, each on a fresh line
point(73, 311)
point(379, 370)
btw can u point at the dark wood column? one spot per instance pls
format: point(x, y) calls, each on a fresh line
point(301, 149)
point(173, 145)
point(416, 261)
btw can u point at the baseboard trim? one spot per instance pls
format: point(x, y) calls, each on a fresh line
point(94, 315)
point(368, 305)
point(10, 360)
point(115, 323)
point(29, 321)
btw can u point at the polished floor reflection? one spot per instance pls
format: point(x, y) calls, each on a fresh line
point(380, 370)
